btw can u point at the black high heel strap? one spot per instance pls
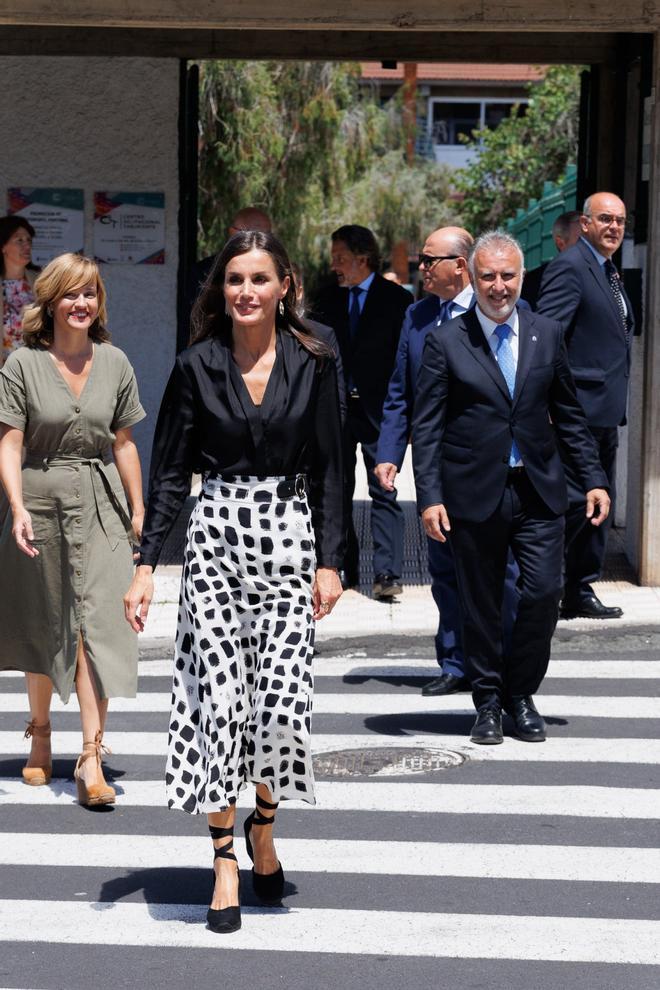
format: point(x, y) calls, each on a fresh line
point(224, 852)
point(261, 805)
point(220, 833)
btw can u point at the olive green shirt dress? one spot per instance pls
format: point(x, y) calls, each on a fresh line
point(74, 495)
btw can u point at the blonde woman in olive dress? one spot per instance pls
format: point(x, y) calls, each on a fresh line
point(70, 398)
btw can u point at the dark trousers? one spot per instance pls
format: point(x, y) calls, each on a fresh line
point(387, 519)
point(586, 544)
point(524, 524)
point(449, 639)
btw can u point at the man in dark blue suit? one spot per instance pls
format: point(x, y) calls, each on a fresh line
point(581, 289)
point(566, 231)
point(494, 395)
point(444, 268)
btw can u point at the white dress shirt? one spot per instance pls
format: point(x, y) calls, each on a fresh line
point(601, 259)
point(488, 327)
point(460, 303)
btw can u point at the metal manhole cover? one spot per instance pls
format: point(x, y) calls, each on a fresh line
point(380, 761)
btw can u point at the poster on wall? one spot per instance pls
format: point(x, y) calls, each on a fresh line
point(57, 216)
point(129, 228)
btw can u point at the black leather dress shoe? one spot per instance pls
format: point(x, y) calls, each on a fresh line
point(487, 729)
point(530, 726)
point(445, 684)
point(588, 607)
point(387, 586)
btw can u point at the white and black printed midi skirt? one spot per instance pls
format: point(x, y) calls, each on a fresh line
point(242, 687)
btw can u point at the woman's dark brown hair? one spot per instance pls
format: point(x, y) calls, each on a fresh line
point(8, 227)
point(209, 318)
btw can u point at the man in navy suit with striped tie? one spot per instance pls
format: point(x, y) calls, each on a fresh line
point(583, 291)
point(495, 399)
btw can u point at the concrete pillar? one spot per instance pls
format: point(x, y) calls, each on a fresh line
point(649, 571)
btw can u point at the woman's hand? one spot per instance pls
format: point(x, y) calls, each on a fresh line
point(138, 597)
point(326, 592)
point(22, 532)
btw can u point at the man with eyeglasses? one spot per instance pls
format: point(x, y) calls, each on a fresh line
point(583, 291)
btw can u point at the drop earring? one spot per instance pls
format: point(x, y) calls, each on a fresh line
point(281, 308)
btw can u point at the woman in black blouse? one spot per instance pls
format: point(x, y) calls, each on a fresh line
point(253, 406)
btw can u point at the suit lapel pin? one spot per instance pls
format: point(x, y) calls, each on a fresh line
point(534, 338)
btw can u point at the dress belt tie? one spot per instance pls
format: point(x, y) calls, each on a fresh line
point(105, 498)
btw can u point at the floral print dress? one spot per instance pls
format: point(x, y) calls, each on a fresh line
point(17, 293)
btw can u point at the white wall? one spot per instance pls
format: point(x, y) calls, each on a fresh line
point(629, 461)
point(105, 124)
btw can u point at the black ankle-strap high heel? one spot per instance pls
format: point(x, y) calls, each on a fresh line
point(268, 887)
point(227, 919)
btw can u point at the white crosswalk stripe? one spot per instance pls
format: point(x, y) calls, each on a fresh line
point(525, 833)
point(460, 799)
point(437, 859)
point(357, 667)
point(407, 667)
point(356, 932)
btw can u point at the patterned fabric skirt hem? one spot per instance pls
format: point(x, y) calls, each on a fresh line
point(242, 685)
point(211, 807)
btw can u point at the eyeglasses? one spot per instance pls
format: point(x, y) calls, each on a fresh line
point(607, 219)
point(427, 261)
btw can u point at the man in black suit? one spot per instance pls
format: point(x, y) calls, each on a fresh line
point(325, 333)
point(582, 290)
point(366, 312)
point(565, 233)
point(489, 475)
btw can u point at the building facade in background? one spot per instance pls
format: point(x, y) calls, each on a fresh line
point(453, 100)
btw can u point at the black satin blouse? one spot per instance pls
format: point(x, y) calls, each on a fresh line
point(208, 423)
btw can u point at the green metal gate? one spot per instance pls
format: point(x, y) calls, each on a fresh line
point(533, 226)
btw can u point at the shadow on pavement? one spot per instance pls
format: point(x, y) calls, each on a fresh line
point(432, 723)
point(179, 885)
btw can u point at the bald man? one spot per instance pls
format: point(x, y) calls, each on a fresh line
point(566, 231)
point(248, 218)
point(444, 267)
point(583, 291)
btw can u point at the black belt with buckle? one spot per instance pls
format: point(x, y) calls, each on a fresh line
point(354, 394)
point(515, 472)
point(290, 487)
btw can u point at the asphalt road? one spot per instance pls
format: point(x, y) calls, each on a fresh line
point(521, 866)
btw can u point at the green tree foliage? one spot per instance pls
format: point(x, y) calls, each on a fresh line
point(522, 153)
point(282, 136)
point(307, 143)
point(399, 201)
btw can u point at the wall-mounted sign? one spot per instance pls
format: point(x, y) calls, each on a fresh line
point(129, 228)
point(56, 215)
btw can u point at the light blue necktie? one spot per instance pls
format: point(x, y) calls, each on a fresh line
point(507, 365)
